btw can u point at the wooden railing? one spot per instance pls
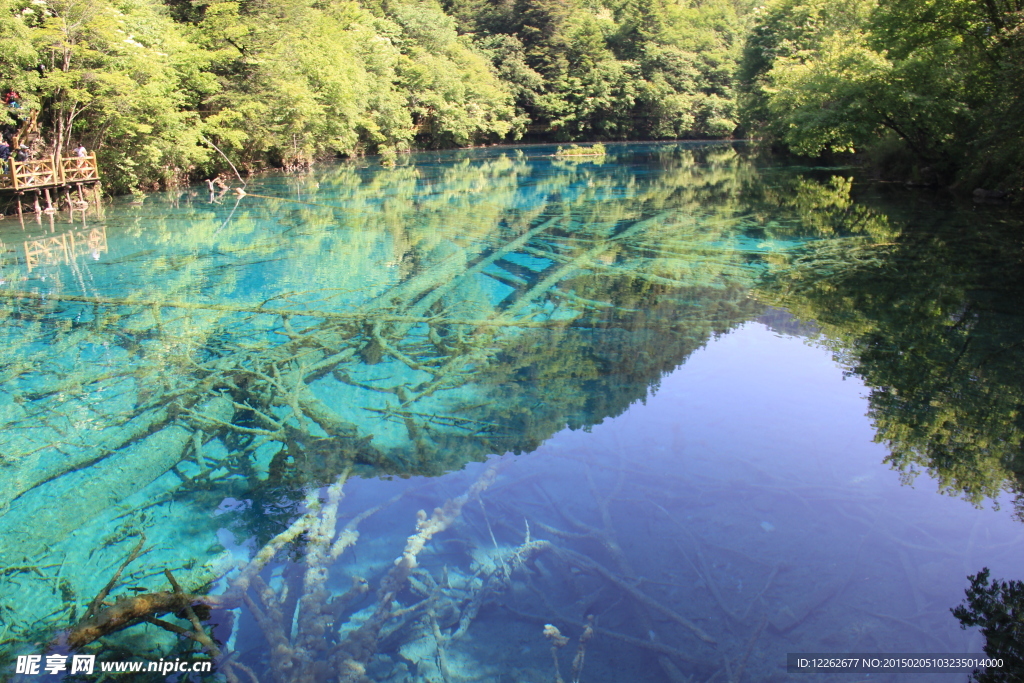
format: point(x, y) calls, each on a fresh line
point(39, 173)
point(79, 169)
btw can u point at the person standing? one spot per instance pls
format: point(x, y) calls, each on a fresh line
point(5, 154)
point(79, 151)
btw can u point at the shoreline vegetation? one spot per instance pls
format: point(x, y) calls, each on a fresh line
point(595, 150)
point(174, 91)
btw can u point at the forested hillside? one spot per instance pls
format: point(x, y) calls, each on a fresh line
point(166, 90)
point(156, 88)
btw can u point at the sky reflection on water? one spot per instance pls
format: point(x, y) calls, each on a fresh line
point(753, 468)
point(709, 490)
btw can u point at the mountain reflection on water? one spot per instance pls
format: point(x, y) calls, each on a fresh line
point(223, 383)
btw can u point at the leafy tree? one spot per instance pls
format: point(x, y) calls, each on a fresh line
point(998, 608)
point(115, 79)
point(929, 88)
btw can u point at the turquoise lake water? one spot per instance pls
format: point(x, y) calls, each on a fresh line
point(695, 410)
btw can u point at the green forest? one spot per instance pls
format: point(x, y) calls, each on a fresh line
point(166, 91)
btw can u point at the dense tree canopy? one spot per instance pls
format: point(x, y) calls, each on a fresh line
point(173, 89)
point(168, 89)
point(930, 88)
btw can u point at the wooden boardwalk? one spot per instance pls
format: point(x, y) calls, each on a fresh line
point(38, 174)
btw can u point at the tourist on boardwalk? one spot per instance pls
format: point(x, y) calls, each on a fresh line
point(79, 151)
point(13, 98)
point(5, 154)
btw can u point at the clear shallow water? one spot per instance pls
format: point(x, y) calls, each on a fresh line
point(709, 488)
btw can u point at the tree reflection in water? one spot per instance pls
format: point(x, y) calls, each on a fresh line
point(401, 322)
point(931, 321)
point(408, 322)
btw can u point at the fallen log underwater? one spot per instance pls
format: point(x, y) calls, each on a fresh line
point(201, 406)
point(321, 634)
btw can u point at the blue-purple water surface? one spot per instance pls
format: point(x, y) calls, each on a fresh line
point(668, 414)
